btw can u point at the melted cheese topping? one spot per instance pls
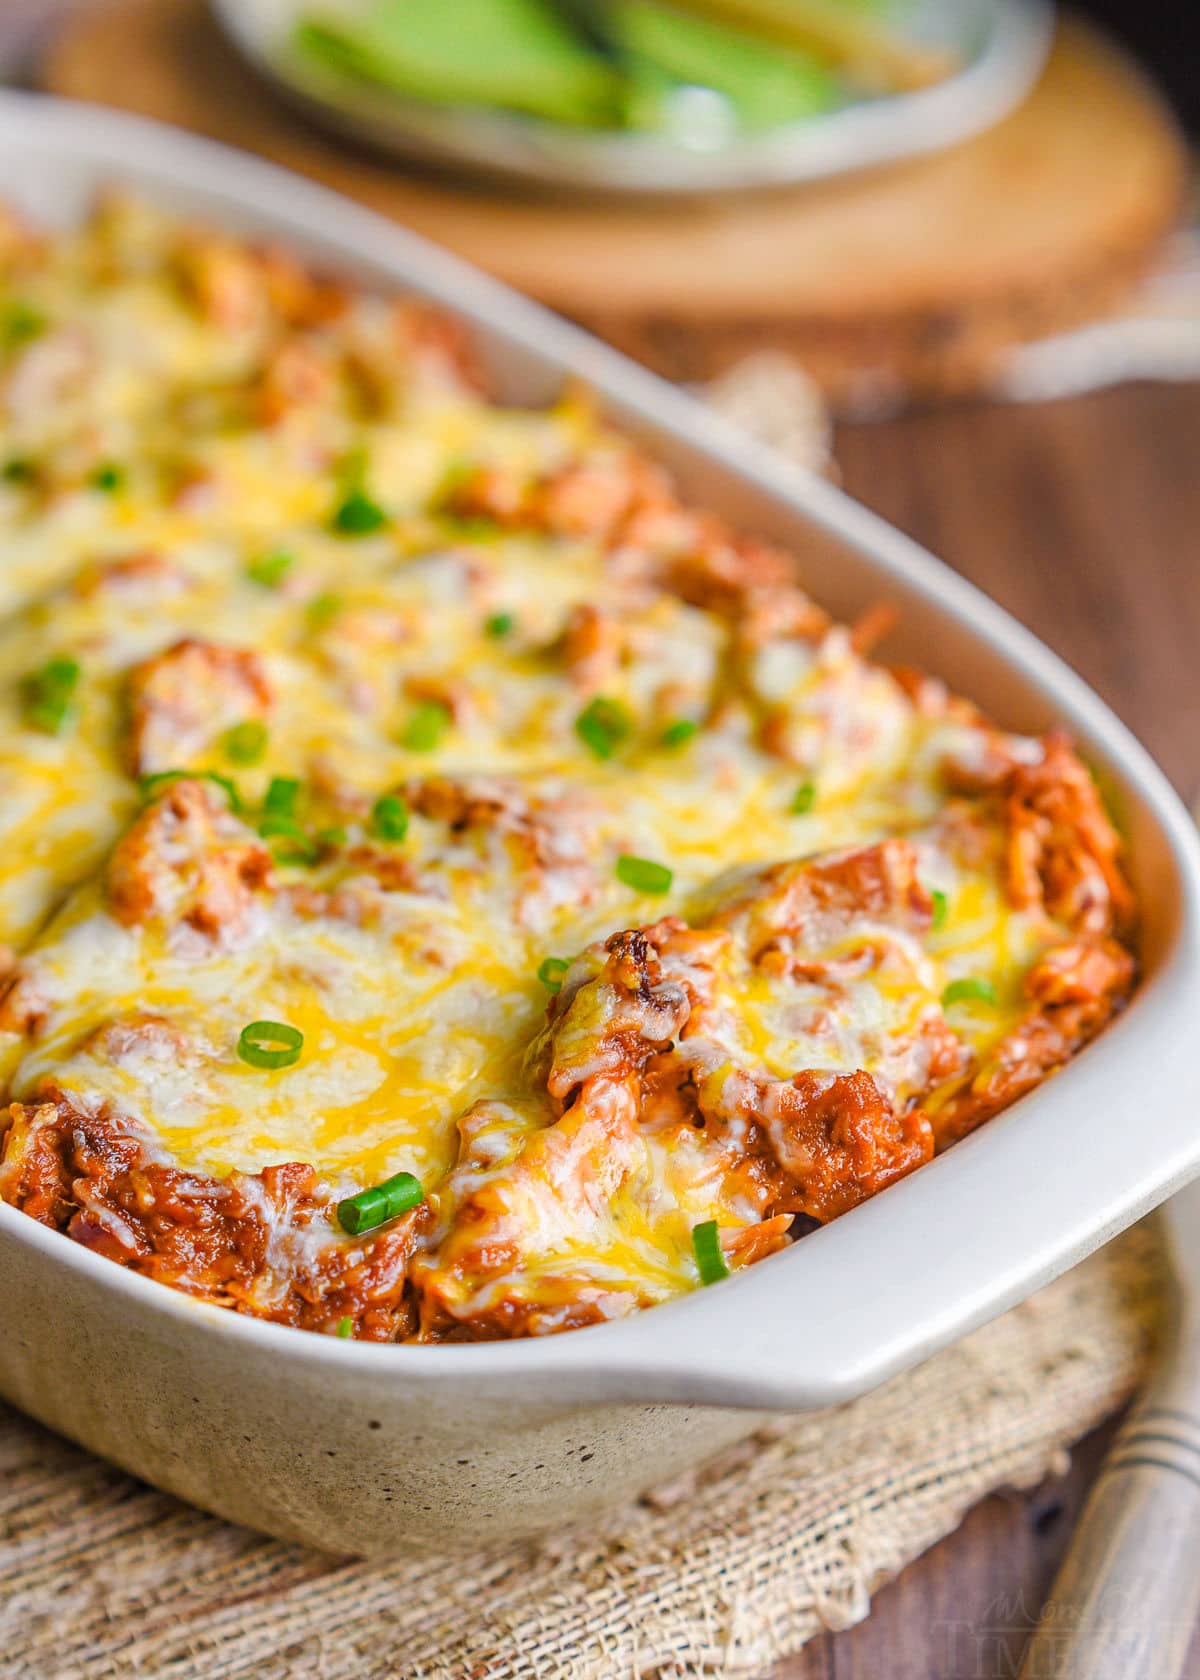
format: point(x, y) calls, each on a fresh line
point(179, 468)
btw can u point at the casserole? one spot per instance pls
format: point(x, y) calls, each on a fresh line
point(357, 1447)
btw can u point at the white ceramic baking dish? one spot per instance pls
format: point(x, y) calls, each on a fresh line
point(355, 1447)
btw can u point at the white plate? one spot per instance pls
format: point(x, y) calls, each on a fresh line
point(1001, 44)
point(354, 1446)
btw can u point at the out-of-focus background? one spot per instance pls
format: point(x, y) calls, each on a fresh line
point(1166, 35)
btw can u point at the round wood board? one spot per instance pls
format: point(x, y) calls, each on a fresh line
point(903, 281)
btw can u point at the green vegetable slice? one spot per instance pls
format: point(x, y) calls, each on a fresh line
point(246, 742)
point(644, 875)
point(48, 695)
point(270, 1044)
point(710, 1256)
point(382, 1202)
point(358, 515)
point(150, 786)
point(282, 795)
point(969, 990)
point(551, 973)
point(679, 733)
point(110, 478)
point(426, 726)
point(389, 817)
point(603, 726)
point(516, 54)
point(269, 570)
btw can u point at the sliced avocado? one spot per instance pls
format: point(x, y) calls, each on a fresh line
point(765, 83)
point(516, 54)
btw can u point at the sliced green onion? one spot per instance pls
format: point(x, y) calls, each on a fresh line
point(60, 673)
point(551, 973)
point(941, 905)
point(345, 1328)
point(270, 1044)
point(383, 1202)
point(389, 817)
point(969, 990)
point(334, 836)
point(803, 799)
point(21, 322)
point(644, 875)
point(323, 609)
point(500, 624)
point(49, 714)
point(710, 1256)
point(246, 742)
point(358, 515)
point(679, 733)
point(269, 570)
point(282, 795)
point(20, 470)
point(425, 728)
point(109, 477)
point(603, 726)
point(49, 694)
point(151, 785)
point(297, 847)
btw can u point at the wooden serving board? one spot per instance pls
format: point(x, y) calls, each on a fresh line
point(908, 280)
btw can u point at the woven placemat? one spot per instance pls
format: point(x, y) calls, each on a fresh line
point(718, 1575)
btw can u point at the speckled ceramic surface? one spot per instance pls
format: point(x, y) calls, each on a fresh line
point(359, 1447)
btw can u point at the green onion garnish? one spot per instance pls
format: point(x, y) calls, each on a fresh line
point(345, 1328)
point(246, 742)
point(940, 906)
point(153, 784)
point(389, 817)
point(297, 847)
point(48, 695)
point(603, 726)
point(358, 515)
point(282, 795)
point(803, 799)
point(269, 570)
point(334, 836)
point(270, 1044)
point(383, 1202)
point(425, 728)
point(679, 733)
point(323, 609)
point(710, 1256)
point(969, 990)
point(644, 875)
point(551, 973)
point(500, 624)
point(21, 322)
point(20, 470)
point(110, 478)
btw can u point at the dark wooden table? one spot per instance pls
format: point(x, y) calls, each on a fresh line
point(1083, 519)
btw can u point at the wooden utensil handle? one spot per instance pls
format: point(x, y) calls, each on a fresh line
point(1127, 1596)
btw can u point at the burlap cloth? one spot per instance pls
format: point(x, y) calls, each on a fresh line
point(722, 1575)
